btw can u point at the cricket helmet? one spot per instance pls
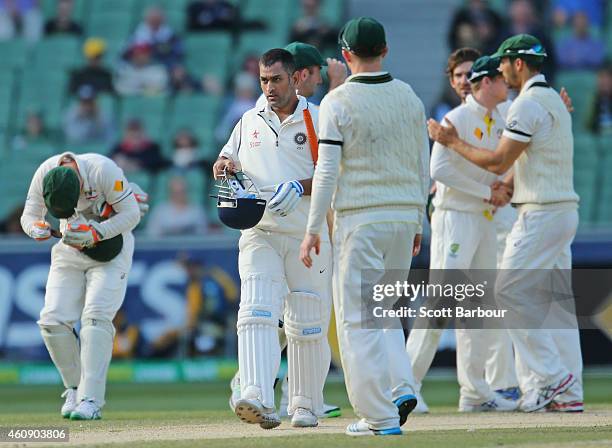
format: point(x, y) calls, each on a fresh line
point(239, 202)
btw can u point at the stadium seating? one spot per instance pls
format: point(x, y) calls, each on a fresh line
point(199, 114)
point(13, 54)
point(111, 25)
point(581, 87)
point(149, 110)
point(56, 54)
point(208, 53)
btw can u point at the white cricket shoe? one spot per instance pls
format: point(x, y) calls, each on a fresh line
point(86, 410)
point(536, 399)
point(235, 387)
point(361, 428)
point(329, 410)
point(497, 404)
point(421, 407)
point(70, 403)
point(251, 410)
point(304, 418)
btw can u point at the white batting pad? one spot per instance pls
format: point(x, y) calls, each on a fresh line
point(308, 354)
point(96, 352)
point(258, 345)
point(63, 347)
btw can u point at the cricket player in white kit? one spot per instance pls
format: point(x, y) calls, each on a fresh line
point(89, 268)
point(464, 234)
point(538, 141)
point(274, 147)
point(373, 160)
point(308, 64)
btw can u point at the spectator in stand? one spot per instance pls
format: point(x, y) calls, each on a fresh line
point(312, 29)
point(185, 155)
point(177, 216)
point(166, 45)
point(11, 225)
point(600, 117)
point(34, 131)
point(581, 51)
point(62, 23)
point(93, 73)
point(136, 151)
point(20, 18)
point(86, 122)
point(244, 98)
point(486, 22)
point(524, 20)
point(127, 337)
point(563, 10)
point(141, 75)
point(208, 15)
point(182, 82)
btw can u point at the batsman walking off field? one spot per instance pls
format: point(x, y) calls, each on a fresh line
point(538, 141)
point(374, 161)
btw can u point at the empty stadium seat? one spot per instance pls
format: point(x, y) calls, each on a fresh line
point(44, 92)
point(56, 54)
point(110, 25)
point(149, 110)
point(581, 87)
point(208, 53)
point(13, 54)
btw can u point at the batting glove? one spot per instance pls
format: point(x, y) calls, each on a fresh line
point(286, 198)
point(82, 236)
point(141, 197)
point(40, 231)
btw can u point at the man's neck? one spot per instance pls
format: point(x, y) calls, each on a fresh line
point(365, 67)
point(525, 79)
point(289, 109)
point(486, 101)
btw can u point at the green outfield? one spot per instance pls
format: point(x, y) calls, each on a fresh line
point(197, 415)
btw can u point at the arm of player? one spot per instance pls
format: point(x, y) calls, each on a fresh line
point(498, 161)
point(120, 197)
point(33, 217)
point(444, 171)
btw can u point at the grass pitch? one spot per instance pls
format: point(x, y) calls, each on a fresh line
point(184, 415)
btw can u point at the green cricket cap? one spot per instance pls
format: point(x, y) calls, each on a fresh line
point(521, 45)
point(484, 66)
point(305, 55)
point(61, 191)
point(363, 36)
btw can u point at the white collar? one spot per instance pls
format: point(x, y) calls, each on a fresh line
point(474, 105)
point(366, 74)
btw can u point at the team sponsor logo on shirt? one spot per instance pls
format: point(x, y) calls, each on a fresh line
point(478, 133)
point(512, 124)
point(500, 132)
point(255, 142)
point(118, 185)
point(300, 138)
point(454, 249)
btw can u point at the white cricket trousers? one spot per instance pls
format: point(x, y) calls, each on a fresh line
point(376, 366)
point(538, 244)
point(272, 275)
point(79, 287)
point(465, 240)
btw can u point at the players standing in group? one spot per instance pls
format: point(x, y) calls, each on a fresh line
point(373, 161)
point(538, 142)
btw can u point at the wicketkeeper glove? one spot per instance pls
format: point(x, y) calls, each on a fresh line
point(82, 236)
point(40, 231)
point(286, 198)
point(141, 197)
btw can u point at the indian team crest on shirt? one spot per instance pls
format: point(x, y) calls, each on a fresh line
point(300, 139)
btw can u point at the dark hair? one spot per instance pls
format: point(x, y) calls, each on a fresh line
point(460, 56)
point(281, 55)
